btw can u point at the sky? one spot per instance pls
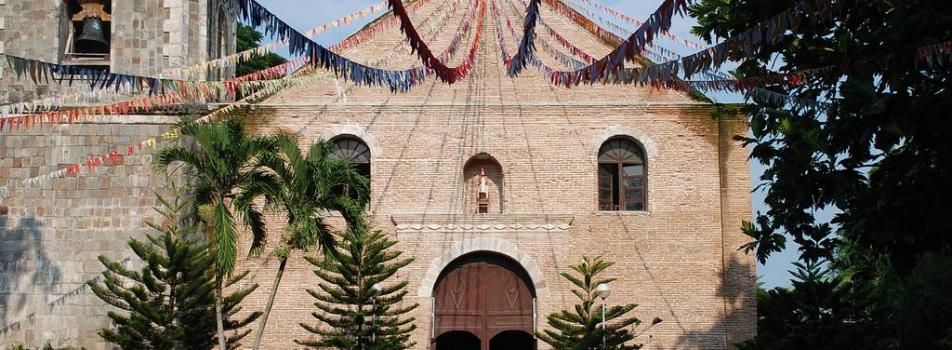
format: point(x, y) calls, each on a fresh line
point(306, 14)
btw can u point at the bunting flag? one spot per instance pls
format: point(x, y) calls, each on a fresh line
point(40, 71)
point(431, 62)
point(101, 79)
point(929, 56)
point(609, 36)
point(55, 116)
point(116, 157)
point(718, 81)
point(96, 78)
point(299, 78)
point(83, 97)
point(525, 52)
point(299, 44)
point(627, 50)
point(569, 61)
point(766, 32)
point(711, 58)
point(462, 32)
point(234, 59)
point(367, 33)
point(14, 119)
point(563, 58)
point(935, 54)
point(666, 34)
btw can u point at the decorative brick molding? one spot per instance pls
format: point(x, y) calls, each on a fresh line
point(482, 222)
point(651, 148)
point(494, 245)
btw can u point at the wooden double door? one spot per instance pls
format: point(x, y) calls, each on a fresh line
point(484, 302)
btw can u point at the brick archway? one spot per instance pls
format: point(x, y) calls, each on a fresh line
point(651, 148)
point(355, 131)
point(493, 245)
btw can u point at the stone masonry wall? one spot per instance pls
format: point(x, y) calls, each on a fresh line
point(148, 37)
point(56, 229)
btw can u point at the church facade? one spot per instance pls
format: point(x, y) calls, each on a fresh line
point(493, 185)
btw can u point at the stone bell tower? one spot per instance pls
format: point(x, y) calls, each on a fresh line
point(129, 37)
point(52, 233)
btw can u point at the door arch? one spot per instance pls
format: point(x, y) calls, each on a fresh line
point(485, 294)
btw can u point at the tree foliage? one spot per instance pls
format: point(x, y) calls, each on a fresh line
point(582, 328)
point(248, 38)
point(169, 302)
point(222, 163)
point(349, 317)
point(877, 156)
point(305, 187)
point(812, 314)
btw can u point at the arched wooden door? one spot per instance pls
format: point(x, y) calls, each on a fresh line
point(484, 294)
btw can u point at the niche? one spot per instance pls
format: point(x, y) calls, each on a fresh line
point(483, 185)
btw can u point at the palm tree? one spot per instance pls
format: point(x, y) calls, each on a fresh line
point(305, 187)
point(222, 163)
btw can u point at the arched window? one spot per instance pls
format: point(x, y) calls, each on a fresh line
point(622, 172)
point(353, 150)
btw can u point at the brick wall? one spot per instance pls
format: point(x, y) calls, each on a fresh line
point(678, 260)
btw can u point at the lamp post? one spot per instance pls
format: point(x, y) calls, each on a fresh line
point(374, 293)
point(602, 291)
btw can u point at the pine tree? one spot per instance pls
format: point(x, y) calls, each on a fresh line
point(169, 303)
point(583, 328)
point(350, 315)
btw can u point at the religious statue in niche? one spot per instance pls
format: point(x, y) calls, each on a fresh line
point(482, 197)
point(483, 183)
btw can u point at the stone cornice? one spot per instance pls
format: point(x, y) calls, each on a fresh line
point(482, 222)
point(439, 106)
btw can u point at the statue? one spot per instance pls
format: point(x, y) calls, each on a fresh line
point(482, 196)
point(483, 187)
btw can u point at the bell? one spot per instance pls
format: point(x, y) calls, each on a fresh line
point(93, 39)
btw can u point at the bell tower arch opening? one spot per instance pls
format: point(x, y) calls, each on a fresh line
point(489, 296)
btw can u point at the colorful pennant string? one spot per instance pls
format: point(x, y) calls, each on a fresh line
point(82, 97)
point(563, 58)
point(766, 32)
point(298, 78)
point(686, 42)
point(431, 62)
point(193, 91)
point(299, 44)
point(234, 59)
point(13, 123)
point(627, 50)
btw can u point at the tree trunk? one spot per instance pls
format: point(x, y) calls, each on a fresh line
point(219, 318)
point(267, 307)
